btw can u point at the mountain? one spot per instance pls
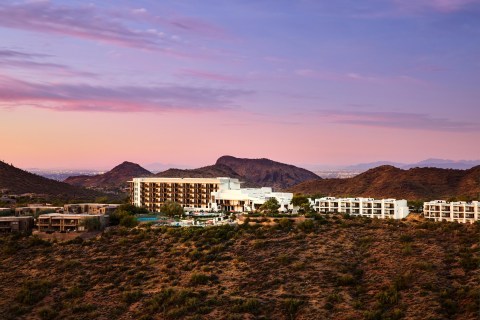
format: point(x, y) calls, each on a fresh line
point(213, 171)
point(18, 181)
point(444, 164)
point(115, 178)
point(268, 173)
point(392, 182)
point(371, 165)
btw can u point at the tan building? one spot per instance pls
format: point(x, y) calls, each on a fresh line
point(190, 193)
point(16, 224)
point(58, 222)
point(90, 208)
point(34, 210)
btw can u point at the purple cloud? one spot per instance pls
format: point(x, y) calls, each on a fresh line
point(208, 75)
point(135, 28)
point(81, 97)
point(398, 120)
point(445, 6)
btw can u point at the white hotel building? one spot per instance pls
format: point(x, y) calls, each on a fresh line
point(440, 210)
point(208, 194)
point(366, 207)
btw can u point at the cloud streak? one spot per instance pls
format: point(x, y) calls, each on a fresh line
point(397, 120)
point(80, 97)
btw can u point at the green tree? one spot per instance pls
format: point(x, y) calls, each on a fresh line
point(128, 221)
point(303, 203)
point(270, 206)
point(92, 224)
point(172, 209)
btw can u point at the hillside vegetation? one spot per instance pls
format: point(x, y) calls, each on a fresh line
point(391, 182)
point(18, 181)
point(331, 268)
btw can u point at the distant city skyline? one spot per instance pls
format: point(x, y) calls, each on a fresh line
point(90, 85)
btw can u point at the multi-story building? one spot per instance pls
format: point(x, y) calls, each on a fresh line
point(460, 211)
point(16, 224)
point(195, 194)
point(190, 193)
point(90, 208)
point(58, 222)
point(367, 207)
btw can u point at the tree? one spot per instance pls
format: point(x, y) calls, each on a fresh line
point(128, 221)
point(270, 206)
point(172, 209)
point(92, 224)
point(303, 203)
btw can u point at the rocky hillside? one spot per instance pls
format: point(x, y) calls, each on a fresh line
point(115, 178)
point(333, 268)
point(268, 173)
point(18, 181)
point(213, 171)
point(389, 181)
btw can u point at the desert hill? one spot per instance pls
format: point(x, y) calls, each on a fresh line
point(266, 172)
point(392, 182)
point(333, 268)
point(115, 178)
point(18, 181)
point(252, 172)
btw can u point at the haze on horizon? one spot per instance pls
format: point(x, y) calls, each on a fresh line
point(89, 85)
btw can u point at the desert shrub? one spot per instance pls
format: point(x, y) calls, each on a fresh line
point(306, 226)
point(199, 279)
point(128, 221)
point(406, 238)
point(130, 297)
point(33, 291)
point(291, 306)
point(285, 224)
point(251, 305)
point(84, 308)
point(346, 280)
point(74, 292)
point(407, 249)
point(47, 313)
point(388, 297)
point(285, 259)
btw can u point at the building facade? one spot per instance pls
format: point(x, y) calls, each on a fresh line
point(460, 211)
point(90, 208)
point(34, 210)
point(366, 207)
point(58, 222)
point(190, 193)
point(236, 199)
point(207, 194)
point(16, 224)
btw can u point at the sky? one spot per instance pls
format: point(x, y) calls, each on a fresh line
point(307, 82)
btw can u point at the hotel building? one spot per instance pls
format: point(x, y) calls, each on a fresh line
point(195, 194)
point(58, 222)
point(90, 208)
point(366, 207)
point(460, 211)
point(16, 224)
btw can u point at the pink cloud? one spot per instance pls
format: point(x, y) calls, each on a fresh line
point(209, 75)
point(445, 6)
point(81, 97)
point(402, 120)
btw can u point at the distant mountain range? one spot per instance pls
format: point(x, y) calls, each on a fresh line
point(253, 172)
point(113, 179)
point(18, 181)
point(429, 163)
point(391, 182)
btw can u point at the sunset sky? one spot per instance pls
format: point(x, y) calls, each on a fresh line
point(89, 84)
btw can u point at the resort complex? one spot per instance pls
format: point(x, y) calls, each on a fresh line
point(460, 211)
point(366, 207)
point(202, 194)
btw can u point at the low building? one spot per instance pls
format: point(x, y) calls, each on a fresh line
point(90, 208)
point(459, 211)
point(16, 224)
point(233, 198)
point(59, 222)
point(366, 207)
point(35, 210)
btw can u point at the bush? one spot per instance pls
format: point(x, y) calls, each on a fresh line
point(306, 226)
point(130, 297)
point(128, 221)
point(47, 313)
point(291, 307)
point(199, 279)
point(33, 291)
point(251, 305)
